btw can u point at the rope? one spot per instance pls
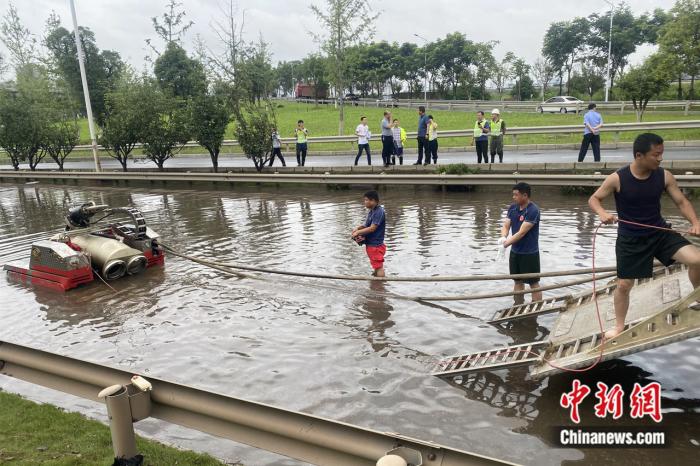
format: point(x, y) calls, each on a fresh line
point(437, 278)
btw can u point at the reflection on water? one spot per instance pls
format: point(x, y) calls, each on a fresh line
point(347, 350)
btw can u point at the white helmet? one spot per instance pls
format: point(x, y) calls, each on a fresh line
point(495, 110)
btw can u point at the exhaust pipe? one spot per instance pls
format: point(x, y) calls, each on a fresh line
point(136, 264)
point(114, 269)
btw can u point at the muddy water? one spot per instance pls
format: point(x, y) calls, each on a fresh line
point(348, 351)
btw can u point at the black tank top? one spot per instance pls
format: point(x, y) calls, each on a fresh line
point(640, 201)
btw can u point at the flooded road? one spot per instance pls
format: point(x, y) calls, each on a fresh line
point(347, 351)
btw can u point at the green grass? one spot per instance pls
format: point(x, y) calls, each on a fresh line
point(32, 434)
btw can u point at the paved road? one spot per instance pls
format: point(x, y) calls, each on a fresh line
point(190, 161)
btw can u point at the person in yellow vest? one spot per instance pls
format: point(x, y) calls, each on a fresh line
point(481, 137)
point(432, 135)
point(498, 129)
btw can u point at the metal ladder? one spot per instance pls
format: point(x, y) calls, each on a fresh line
point(522, 311)
point(499, 358)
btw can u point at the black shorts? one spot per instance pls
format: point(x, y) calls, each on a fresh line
point(635, 254)
point(525, 263)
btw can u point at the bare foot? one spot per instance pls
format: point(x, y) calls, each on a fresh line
point(612, 333)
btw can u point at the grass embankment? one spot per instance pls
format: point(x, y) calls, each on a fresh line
point(33, 434)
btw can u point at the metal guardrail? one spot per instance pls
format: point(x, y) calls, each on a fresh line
point(512, 132)
point(297, 435)
point(684, 181)
point(486, 105)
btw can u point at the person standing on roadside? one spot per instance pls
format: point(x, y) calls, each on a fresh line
point(421, 137)
point(592, 122)
point(363, 135)
point(301, 134)
point(497, 129)
point(432, 141)
point(276, 148)
point(399, 142)
point(481, 137)
point(387, 139)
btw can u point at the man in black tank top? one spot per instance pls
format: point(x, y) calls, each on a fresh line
point(637, 189)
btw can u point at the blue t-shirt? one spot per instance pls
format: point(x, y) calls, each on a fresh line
point(422, 125)
point(593, 118)
point(375, 217)
point(528, 244)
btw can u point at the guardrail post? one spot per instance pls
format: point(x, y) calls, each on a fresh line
point(515, 139)
point(687, 108)
point(622, 108)
point(617, 137)
point(125, 405)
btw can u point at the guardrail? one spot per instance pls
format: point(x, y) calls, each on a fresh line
point(376, 179)
point(297, 435)
point(513, 132)
point(486, 105)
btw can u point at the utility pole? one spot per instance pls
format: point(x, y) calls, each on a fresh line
point(425, 70)
point(86, 93)
point(607, 77)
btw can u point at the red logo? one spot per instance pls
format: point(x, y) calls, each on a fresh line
point(644, 401)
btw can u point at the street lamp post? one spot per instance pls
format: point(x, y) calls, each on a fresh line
point(425, 70)
point(607, 77)
point(86, 93)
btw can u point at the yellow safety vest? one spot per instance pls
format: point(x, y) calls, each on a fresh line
point(478, 132)
point(301, 135)
point(496, 127)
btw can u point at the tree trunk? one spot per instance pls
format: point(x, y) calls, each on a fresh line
point(160, 161)
point(214, 159)
point(123, 161)
point(691, 92)
point(341, 118)
point(680, 86)
point(561, 82)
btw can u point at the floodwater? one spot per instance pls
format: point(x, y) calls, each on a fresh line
point(347, 351)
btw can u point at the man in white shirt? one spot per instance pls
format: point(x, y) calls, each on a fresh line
point(363, 135)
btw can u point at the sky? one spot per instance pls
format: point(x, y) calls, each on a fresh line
point(519, 25)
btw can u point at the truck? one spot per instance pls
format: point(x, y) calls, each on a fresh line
point(309, 91)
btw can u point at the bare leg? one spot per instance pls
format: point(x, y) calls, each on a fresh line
point(518, 298)
point(536, 295)
point(622, 304)
point(379, 272)
point(690, 256)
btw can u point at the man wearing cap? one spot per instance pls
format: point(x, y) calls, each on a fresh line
point(498, 129)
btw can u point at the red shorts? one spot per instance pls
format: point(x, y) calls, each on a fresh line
point(376, 256)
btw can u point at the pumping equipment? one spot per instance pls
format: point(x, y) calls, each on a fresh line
point(88, 246)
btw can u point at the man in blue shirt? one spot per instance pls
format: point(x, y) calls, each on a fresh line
point(371, 233)
point(422, 136)
point(524, 221)
point(592, 122)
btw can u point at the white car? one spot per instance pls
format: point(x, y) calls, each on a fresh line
point(562, 104)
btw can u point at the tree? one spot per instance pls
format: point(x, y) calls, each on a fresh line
point(209, 117)
point(640, 84)
point(680, 39)
point(102, 68)
point(563, 43)
point(128, 113)
point(521, 70)
point(346, 22)
point(255, 74)
point(254, 125)
point(524, 88)
point(19, 40)
point(502, 72)
point(628, 32)
point(288, 73)
point(484, 62)
point(60, 137)
point(543, 71)
point(173, 27)
point(23, 116)
point(179, 74)
point(315, 71)
point(166, 130)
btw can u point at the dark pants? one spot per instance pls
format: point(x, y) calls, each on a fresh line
point(387, 149)
point(277, 152)
point(360, 148)
point(496, 147)
point(432, 151)
point(422, 146)
point(301, 154)
point(590, 139)
point(482, 148)
point(398, 152)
